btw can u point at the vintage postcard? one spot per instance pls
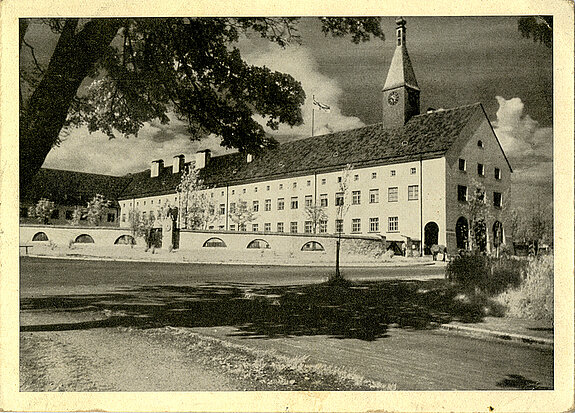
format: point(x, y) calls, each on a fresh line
point(208, 207)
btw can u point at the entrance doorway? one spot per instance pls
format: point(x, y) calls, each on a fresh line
point(430, 236)
point(462, 232)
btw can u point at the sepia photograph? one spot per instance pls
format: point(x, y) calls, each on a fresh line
point(272, 205)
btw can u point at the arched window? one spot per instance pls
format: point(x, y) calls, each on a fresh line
point(214, 243)
point(40, 236)
point(125, 240)
point(480, 143)
point(259, 244)
point(312, 246)
point(84, 239)
point(462, 232)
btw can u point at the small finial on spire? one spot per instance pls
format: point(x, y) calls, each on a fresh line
point(400, 21)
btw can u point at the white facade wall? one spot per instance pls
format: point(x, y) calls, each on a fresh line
point(380, 178)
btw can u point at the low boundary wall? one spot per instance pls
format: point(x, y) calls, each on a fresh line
point(215, 246)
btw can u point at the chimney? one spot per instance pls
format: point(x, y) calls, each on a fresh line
point(202, 158)
point(178, 164)
point(156, 168)
point(249, 157)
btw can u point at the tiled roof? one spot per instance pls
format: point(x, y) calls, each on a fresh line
point(427, 135)
point(73, 188)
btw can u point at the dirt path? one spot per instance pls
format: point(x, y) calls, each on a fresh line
point(110, 359)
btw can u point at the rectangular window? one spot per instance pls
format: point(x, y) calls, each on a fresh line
point(356, 197)
point(308, 200)
point(56, 214)
point(244, 190)
point(211, 227)
point(323, 181)
point(413, 192)
point(281, 204)
point(232, 227)
point(374, 225)
point(480, 169)
point(255, 227)
point(338, 198)
point(355, 225)
point(143, 216)
point(413, 171)
point(268, 205)
point(308, 227)
point(339, 179)
point(221, 227)
point(256, 189)
point(267, 187)
point(393, 224)
point(392, 194)
point(322, 226)
point(232, 207)
point(373, 196)
point(256, 206)
point(280, 227)
point(462, 165)
point(70, 214)
point(233, 191)
point(295, 184)
point(323, 200)
point(308, 182)
point(356, 177)
point(111, 217)
point(339, 225)
point(497, 173)
point(242, 227)
point(392, 172)
point(461, 193)
point(222, 209)
point(294, 202)
point(293, 227)
point(123, 217)
point(281, 186)
point(221, 194)
point(267, 226)
point(497, 199)
point(374, 175)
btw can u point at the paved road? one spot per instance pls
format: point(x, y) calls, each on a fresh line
point(419, 359)
point(171, 294)
point(56, 275)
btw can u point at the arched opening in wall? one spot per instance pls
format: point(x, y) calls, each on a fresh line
point(84, 239)
point(214, 243)
point(462, 232)
point(40, 236)
point(312, 246)
point(430, 236)
point(125, 240)
point(259, 244)
point(480, 230)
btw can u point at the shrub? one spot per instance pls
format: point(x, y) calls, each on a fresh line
point(488, 275)
point(533, 299)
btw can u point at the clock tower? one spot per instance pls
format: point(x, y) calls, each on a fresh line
point(400, 92)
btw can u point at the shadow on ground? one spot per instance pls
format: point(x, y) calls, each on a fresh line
point(361, 310)
point(516, 381)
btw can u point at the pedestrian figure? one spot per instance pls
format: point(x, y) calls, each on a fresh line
point(444, 253)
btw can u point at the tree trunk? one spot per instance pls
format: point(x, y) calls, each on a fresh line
point(46, 111)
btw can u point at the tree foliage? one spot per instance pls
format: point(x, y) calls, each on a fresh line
point(539, 28)
point(242, 214)
point(42, 210)
point(141, 69)
point(196, 209)
point(315, 214)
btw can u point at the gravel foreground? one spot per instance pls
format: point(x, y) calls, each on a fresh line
point(167, 359)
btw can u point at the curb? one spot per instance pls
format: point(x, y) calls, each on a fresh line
point(498, 335)
point(265, 264)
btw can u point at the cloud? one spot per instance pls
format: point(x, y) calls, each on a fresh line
point(528, 146)
point(95, 153)
point(299, 62)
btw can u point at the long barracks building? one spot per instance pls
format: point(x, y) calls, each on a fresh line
point(411, 179)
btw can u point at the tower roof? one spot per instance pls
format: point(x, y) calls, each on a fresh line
point(400, 71)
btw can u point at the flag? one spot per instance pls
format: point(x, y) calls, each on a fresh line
point(321, 106)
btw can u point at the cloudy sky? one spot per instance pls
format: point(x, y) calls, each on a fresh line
point(457, 61)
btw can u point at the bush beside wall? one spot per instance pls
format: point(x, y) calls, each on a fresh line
point(533, 299)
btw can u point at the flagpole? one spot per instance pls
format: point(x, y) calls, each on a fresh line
point(312, 113)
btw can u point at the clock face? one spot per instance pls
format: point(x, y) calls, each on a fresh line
point(393, 98)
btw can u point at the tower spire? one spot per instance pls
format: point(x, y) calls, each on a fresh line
point(401, 91)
